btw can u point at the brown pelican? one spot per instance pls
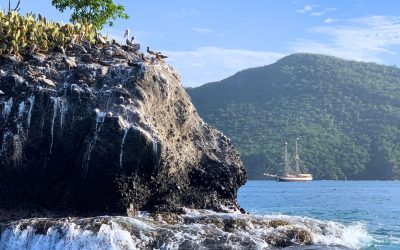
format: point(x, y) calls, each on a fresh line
point(126, 35)
point(73, 40)
point(33, 49)
point(100, 39)
point(85, 42)
point(130, 42)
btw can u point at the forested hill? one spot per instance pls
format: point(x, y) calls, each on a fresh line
point(346, 113)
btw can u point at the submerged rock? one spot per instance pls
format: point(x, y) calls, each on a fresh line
point(195, 229)
point(100, 132)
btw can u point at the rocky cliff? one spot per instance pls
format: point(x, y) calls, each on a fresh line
point(100, 129)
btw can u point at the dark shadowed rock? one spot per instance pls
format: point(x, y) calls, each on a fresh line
point(102, 132)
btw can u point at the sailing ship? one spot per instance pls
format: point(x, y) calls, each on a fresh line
point(299, 173)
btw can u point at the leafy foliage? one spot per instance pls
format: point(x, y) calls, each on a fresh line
point(346, 113)
point(96, 12)
point(24, 35)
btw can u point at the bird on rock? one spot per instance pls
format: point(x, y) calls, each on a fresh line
point(151, 52)
point(145, 60)
point(160, 57)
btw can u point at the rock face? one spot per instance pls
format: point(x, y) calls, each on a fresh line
point(102, 131)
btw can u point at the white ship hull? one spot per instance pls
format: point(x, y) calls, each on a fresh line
point(294, 178)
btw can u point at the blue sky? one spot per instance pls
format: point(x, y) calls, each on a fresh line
point(208, 40)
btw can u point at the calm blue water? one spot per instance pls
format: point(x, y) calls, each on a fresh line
point(376, 204)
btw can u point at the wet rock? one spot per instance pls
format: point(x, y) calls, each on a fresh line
point(303, 237)
point(107, 135)
point(232, 224)
point(289, 237)
point(166, 217)
point(277, 223)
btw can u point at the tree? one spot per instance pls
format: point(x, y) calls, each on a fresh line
point(96, 12)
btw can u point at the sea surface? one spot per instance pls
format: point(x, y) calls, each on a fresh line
point(336, 214)
point(368, 210)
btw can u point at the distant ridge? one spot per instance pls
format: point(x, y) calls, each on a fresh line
point(347, 114)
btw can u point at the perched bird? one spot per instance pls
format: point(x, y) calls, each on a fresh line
point(33, 49)
point(73, 40)
point(130, 42)
point(126, 33)
point(62, 50)
point(84, 42)
point(145, 60)
point(79, 47)
point(10, 50)
point(100, 39)
point(151, 52)
point(114, 42)
point(160, 56)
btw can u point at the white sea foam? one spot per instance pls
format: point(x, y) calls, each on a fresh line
point(197, 229)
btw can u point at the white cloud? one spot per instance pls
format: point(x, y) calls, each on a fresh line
point(317, 13)
point(323, 12)
point(330, 20)
point(202, 30)
point(365, 39)
point(306, 8)
point(208, 64)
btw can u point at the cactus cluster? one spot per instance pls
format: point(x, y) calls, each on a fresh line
point(25, 35)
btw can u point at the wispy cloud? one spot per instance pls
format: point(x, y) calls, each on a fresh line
point(330, 20)
point(208, 64)
point(306, 8)
point(202, 30)
point(365, 39)
point(323, 12)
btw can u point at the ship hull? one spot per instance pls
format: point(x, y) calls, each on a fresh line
point(294, 179)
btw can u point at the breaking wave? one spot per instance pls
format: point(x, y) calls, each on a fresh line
point(197, 229)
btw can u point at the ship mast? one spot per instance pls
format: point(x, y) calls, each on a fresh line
point(297, 159)
point(286, 161)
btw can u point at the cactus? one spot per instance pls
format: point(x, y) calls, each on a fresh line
point(20, 34)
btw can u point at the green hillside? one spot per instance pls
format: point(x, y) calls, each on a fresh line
point(346, 113)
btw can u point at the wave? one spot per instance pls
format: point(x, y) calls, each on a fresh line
point(197, 229)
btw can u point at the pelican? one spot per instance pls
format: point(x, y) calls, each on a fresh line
point(130, 42)
point(62, 50)
point(85, 42)
point(33, 49)
point(100, 39)
point(10, 50)
point(126, 33)
point(73, 40)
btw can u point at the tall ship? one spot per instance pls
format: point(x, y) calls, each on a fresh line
point(290, 173)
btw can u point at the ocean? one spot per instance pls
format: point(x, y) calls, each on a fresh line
point(332, 214)
point(367, 211)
